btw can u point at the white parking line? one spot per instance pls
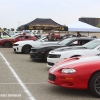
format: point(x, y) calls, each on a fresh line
point(18, 79)
point(28, 83)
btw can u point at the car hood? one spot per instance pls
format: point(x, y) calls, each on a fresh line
point(48, 45)
point(25, 41)
point(68, 48)
point(75, 62)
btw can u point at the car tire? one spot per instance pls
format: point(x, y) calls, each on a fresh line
point(7, 44)
point(94, 84)
point(45, 56)
point(26, 49)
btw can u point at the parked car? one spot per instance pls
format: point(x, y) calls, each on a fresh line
point(8, 42)
point(55, 36)
point(5, 35)
point(90, 48)
point(41, 52)
point(77, 73)
point(37, 35)
point(93, 36)
point(25, 46)
point(67, 36)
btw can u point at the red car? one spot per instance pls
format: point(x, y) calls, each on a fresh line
point(8, 42)
point(77, 73)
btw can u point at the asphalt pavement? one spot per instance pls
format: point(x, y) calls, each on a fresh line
point(24, 79)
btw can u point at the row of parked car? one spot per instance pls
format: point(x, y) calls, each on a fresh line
point(73, 62)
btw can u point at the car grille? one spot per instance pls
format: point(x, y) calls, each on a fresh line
point(53, 56)
point(52, 77)
point(34, 50)
point(51, 64)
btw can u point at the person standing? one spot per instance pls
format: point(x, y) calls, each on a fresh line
point(49, 37)
point(78, 34)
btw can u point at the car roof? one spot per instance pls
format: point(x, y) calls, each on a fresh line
point(81, 38)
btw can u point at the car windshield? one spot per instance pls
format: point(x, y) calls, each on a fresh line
point(65, 41)
point(91, 45)
point(39, 39)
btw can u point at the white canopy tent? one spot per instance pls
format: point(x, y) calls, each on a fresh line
point(82, 27)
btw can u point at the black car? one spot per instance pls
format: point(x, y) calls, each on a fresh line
point(41, 52)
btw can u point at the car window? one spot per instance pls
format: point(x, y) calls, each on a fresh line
point(84, 42)
point(75, 42)
point(27, 37)
point(92, 44)
point(65, 41)
point(45, 40)
point(21, 37)
point(40, 39)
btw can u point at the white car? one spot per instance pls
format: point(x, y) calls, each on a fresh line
point(25, 46)
point(90, 48)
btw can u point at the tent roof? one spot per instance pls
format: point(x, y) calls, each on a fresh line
point(82, 27)
point(43, 22)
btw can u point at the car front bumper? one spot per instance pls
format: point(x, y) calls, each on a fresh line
point(17, 48)
point(52, 61)
point(36, 55)
point(68, 80)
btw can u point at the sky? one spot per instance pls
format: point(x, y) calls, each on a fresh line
point(14, 13)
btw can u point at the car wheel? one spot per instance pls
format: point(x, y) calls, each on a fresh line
point(26, 49)
point(45, 56)
point(94, 84)
point(7, 44)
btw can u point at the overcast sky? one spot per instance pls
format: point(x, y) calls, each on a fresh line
point(14, 13)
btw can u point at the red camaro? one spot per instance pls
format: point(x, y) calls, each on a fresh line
point(77, 73)
point(8, 42)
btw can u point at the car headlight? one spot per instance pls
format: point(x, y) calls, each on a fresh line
point(53, 56)
point(68, 71)
point(15, 44)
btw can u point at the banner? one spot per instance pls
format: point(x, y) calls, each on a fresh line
point(60, 28)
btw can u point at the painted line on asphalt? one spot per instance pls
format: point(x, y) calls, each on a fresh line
point(28, 83)
point(18, 79)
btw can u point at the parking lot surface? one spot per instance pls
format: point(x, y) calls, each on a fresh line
point(24, 79)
